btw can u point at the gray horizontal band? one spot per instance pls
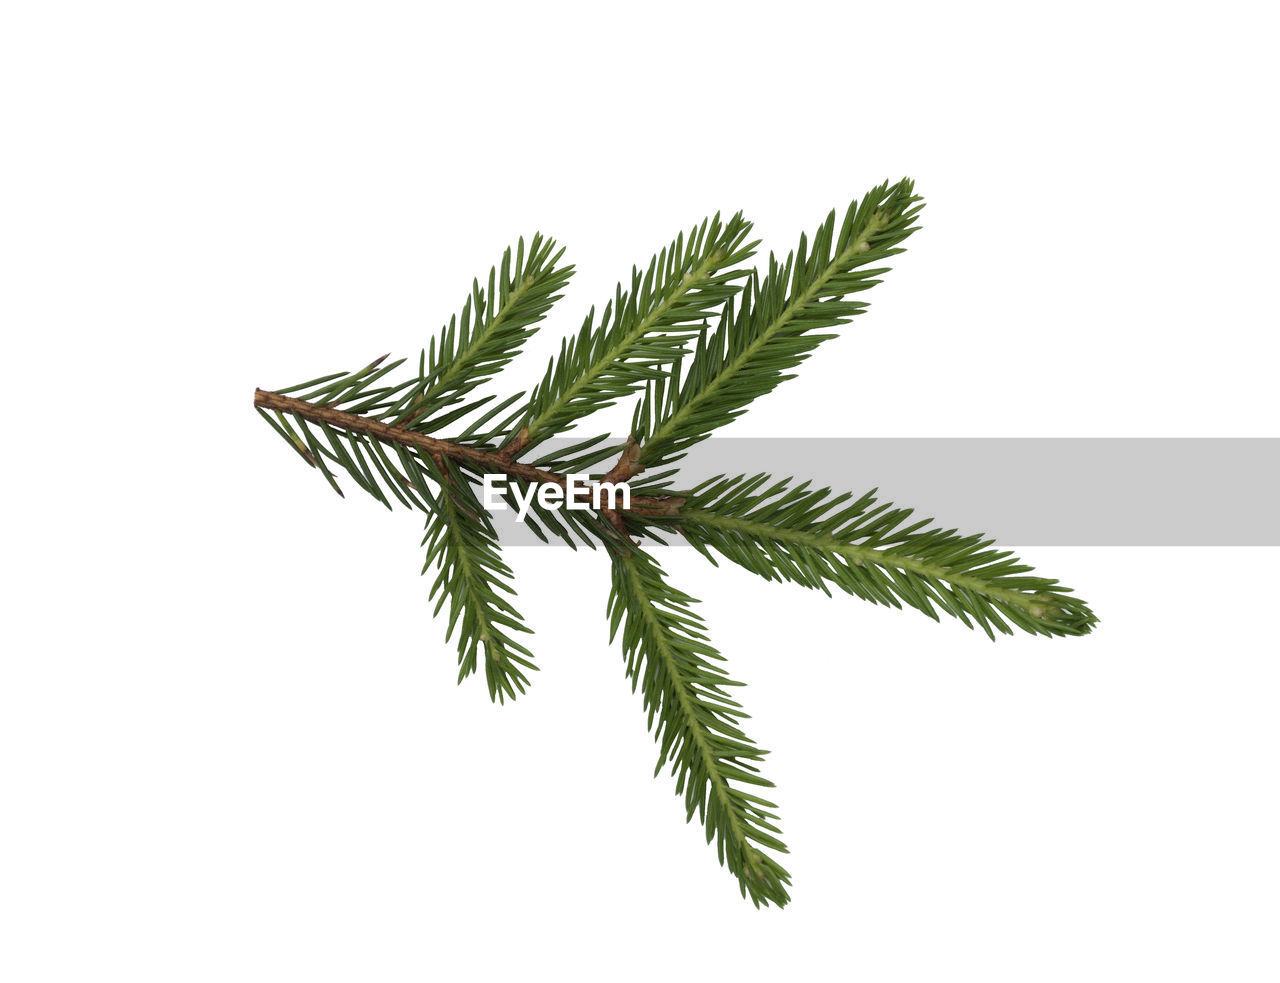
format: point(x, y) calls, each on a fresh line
point(1086, 491)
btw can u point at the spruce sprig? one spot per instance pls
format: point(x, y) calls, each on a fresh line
point(642, 330)
point(696, 722)
point(392, 440)
point(776, 326)
point(462, 543)
point(488, 334)
point(786, 531)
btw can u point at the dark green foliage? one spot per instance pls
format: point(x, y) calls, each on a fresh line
point(495, 321)
point(781, 320)
point(398, 442)
point(695, 722)
point(493, 325)
point(786, 531)
point(385, 471)
point(461, 541)
point(643, 329)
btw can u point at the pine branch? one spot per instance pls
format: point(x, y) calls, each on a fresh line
point(643, 329)
point(411, 449)
point(809, 536)
point(696, 724)
point(386, 438)
point(461, 541)
point(776, 326)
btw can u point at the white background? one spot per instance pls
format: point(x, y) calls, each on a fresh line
point(231, 746)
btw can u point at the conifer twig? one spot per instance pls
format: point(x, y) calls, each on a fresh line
point(485, 460)
point(654, 341)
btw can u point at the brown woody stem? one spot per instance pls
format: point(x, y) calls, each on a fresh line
point(495, 461)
